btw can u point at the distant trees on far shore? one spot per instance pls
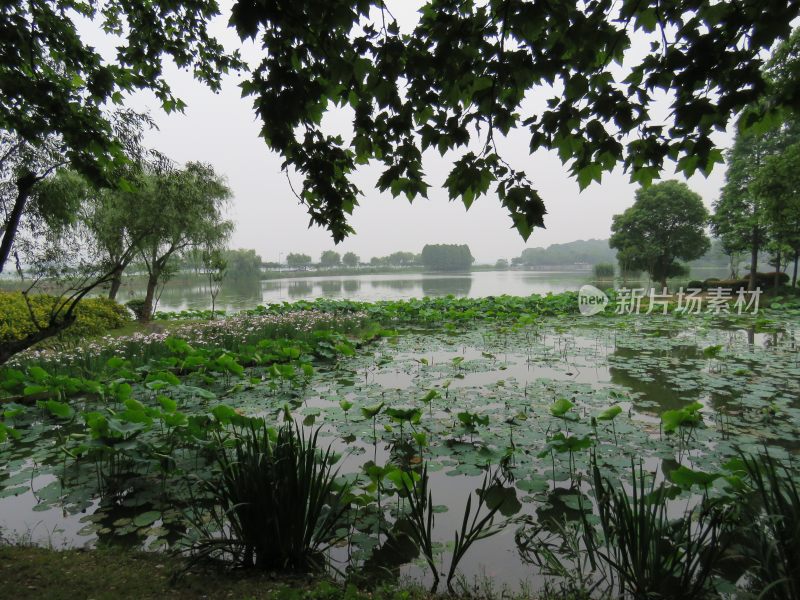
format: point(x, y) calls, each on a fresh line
point(447, 257)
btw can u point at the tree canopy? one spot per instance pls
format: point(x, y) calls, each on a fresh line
point(242, 263)
point(742, 219)
point(330, 258)
point(580, 251)
point(778, 183)
point(447, 257)
point(173, 211)
point(665, 224)
point(57, 83)
point(296, 260)
point(468, 73)
point(350, 259)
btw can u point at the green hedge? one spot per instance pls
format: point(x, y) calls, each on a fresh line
point(94, 316)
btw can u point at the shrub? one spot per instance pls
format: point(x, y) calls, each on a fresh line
point(695, 284)
point(604, 271)
point(93, 316)
point(137, 308)
point(767, 279)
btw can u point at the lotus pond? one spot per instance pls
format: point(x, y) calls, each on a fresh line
point(522, 399)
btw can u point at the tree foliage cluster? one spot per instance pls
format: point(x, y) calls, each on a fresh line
point(759, 206)
point(665, 225)
point(396, 259)
point(447, 257)
point(588, 252)
point(242, 263)
point(297, 260)
point(462, 75)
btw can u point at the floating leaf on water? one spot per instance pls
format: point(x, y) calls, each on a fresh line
point(146, 518)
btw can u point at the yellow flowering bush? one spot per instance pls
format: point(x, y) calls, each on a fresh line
point(93, 316)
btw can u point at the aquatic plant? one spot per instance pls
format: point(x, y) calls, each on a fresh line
point(475, 526)
point(772, 527)
point(649, 554)
point(276, 501)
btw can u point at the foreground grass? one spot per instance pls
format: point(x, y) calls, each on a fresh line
point(111, 574)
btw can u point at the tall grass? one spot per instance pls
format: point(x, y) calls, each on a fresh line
point(651, 555)
point(772, 528)
point(276, 503)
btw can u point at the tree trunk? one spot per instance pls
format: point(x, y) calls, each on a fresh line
point(116, 282)
point(147, 308)
point(753, 262)
point(777, 279)
point(794, 272)
point(12, 347)
point(24, 186)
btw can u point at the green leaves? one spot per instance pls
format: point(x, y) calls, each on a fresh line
point(610, 413)
point(404, 414)
point(561, 407)
point(689, 416)
point(146, 518)
point(59, 409)
point(712, 351)
point(370, 412)
point(471, 420)
point(686, 477)
point(463, 87)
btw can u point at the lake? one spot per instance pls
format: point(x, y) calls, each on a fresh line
point(192, 292)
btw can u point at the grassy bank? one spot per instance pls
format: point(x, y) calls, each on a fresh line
point(112, 574)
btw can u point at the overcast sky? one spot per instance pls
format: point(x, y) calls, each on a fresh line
point(221, 129)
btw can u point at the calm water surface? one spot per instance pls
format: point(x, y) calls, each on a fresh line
point(193, 292)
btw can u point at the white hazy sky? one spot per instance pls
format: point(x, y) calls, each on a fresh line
point(222, 129)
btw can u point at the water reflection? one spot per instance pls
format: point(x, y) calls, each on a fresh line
point(352, 285)
point(654, 384)
point(445, 286)
point(189, 291)
point(299, 289)
point(331, 287)
point(396, 284)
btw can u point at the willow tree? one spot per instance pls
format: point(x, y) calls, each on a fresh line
point(173, 211)
point(56, 86)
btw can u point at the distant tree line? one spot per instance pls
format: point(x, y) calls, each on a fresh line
point(589, 252)
point(436, 257)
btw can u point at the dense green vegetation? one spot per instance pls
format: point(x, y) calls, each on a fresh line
point(403, 396)
point(93, 316)
point(581, 252)
point(665, 224)
point(446, 257)
point(618, 455)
